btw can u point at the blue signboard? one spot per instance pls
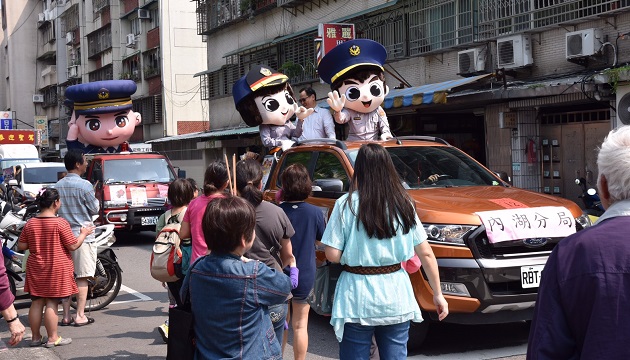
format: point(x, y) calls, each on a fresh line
point(6, 124)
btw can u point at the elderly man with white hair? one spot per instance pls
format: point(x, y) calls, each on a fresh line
point(583, 307)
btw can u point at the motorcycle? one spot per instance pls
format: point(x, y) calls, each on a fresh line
point(102, 288)
point(592, 203)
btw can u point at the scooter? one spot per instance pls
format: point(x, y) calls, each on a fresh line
point(592, 203)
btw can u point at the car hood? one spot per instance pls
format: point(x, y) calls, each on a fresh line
point(458, 205)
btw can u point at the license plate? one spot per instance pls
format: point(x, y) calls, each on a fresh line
point(149, 220)
point(530, 276)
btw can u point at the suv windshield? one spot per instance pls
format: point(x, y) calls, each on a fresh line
point(137, 170)
point(415, 164)
point(42, 175)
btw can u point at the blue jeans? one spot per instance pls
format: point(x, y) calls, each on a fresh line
point(278, 315)
point(391, 341)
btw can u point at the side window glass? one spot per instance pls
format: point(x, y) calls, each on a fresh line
point(303, 158)
point(329, 174)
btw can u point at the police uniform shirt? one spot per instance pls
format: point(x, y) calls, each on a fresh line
point(272, 135)
point(364, 126)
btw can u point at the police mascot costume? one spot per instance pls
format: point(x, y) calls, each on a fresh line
point(354, 70)
point(264, 98)
point(102, 117)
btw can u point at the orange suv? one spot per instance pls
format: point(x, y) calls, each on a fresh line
point(484, 281)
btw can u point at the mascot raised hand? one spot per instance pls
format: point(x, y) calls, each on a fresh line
point(102, 117)
point(265, 99)
point(354, 70)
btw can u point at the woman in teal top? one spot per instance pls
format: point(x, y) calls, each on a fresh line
point(374, 296)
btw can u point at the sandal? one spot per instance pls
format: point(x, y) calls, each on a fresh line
point(89, 321)
point(40, 342)
point(64, 323)
point(60, 341)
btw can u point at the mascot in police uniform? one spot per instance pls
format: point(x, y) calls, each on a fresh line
point(264, 98)
point(102, 119)
point(354, 70)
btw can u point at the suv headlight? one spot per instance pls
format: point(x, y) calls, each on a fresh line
point(449, 234)
point(584, 220)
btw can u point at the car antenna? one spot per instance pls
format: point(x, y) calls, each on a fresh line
point(398, 142)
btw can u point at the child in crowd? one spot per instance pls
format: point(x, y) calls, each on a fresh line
point(308, 223)
point(49, 269)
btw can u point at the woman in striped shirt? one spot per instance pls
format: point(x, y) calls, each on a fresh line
point(49, 268)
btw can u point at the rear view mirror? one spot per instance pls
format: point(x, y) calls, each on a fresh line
point(504, 176)
point(335, 185)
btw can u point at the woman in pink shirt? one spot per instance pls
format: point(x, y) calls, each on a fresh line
point(215, 181)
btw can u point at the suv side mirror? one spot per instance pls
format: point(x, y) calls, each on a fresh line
point(504, 176)
point(181, 174)
point(334, 185)
point(97, 175)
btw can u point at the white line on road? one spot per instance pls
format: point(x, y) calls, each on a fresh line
point(140, 296)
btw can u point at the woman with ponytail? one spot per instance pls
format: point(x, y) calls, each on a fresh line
point(49, 269)
point(273, 233)
point(215, 181)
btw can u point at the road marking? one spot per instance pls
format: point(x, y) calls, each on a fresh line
point(128, 290)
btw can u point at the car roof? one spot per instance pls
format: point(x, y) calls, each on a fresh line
point(43, 164)
point(355, 145)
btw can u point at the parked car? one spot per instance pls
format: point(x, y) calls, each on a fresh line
point(484, 281)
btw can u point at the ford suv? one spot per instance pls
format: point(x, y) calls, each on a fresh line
point(485, 278)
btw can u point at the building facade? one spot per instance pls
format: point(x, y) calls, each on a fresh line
point(153, 43)
point(554, 74)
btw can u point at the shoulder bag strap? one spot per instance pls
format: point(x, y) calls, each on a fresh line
point(186, 301)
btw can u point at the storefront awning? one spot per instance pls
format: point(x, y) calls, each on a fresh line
point(206, 135)
point(425, 94)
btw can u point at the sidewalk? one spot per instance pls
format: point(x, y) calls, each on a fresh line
point(20, 352)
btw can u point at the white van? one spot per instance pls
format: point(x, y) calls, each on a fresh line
point(13, 154)
point(32, 177)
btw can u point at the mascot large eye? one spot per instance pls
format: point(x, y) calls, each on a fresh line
point(290, 99)
point(271, 105)
point(93, 124)
point(121, 121)
point(376, 90)
point(353, 93)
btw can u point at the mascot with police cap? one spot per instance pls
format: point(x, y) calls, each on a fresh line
point(102, 118)
point(264, 98)
point(354, 70)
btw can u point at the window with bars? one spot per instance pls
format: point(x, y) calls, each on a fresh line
point(136, 29)
point(155, 18)
point(202, 9)
point(298, 59)
point(104, 73)
point(50, 97)
point(221, 12)
point(99, 41)
point(70, 19)
point(150, 108)
point(184, 149)
point(439, 24)
point(267, 56)
point(48, 32)
point(219, 83)
point(151, 60)
point(387, 28)
point(98, 6)
point(131, 68)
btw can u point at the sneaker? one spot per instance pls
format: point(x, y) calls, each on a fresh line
point(60, 341)
point(163, 330)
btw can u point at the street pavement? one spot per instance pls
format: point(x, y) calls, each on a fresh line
point(127, 327)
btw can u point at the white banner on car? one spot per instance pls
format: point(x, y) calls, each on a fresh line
point(525, 223)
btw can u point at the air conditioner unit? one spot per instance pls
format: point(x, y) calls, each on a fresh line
point(73, 71)
point(623, 105)
point(514, 51)
point(131, 40)
point(41, 17)
point(144, 14)
point(69, 38)
point(471, 61)
point(38, 98)
point(583, 43)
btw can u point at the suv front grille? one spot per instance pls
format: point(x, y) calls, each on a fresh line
point(479, 243)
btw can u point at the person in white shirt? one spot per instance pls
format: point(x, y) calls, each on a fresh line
point(320, 123)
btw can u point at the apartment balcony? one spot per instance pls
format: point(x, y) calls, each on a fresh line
point(150, 72)
point(153, 38)
point(47, 51)
point(213, 15)
point(49, 76)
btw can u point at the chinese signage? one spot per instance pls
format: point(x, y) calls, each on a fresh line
point(525, 223)
point(6, 120)
point(41, 124)
point(333, 35)
point(17, 137)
